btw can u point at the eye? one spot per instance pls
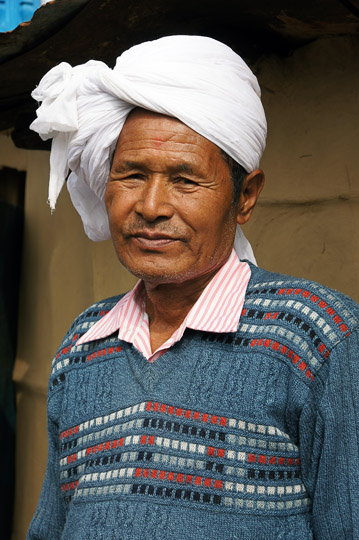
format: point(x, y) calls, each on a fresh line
point(135, 176)
point(123, 176)
point(185, 181)
point(132, 176)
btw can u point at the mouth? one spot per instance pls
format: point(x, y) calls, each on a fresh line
point(153, 240)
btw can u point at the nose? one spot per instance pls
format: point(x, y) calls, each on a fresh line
point(154, 201)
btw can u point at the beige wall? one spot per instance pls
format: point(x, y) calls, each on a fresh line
point(62, 274)
point(306, 224)
point(307, 220)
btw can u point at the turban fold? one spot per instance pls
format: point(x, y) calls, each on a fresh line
point(198, 80)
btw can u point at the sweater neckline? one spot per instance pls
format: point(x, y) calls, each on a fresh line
point(150, 374)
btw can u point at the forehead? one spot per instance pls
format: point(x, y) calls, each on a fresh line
point(145, 131)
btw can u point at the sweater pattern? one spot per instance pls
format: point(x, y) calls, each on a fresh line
point(212, 440)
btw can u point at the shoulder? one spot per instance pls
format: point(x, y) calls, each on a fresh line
point(91, 315)
point(302, 318)
point(287, 292)
point(68, 353)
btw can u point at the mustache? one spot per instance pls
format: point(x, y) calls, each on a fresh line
point(140, 226)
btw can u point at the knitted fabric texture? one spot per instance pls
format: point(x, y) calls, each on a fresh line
point(250, 435)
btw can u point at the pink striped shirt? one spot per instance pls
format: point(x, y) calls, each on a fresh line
point(218, 309)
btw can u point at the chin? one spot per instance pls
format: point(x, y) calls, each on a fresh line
point(158, 275)
point(156, 269)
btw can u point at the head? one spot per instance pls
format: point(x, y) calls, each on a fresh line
point(171, 202)
point(196, 79)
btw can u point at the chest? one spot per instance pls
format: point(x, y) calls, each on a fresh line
point(207, 424)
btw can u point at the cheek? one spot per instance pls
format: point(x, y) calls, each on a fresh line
point(115, 219)
point(209, 216)
point(108, 197)
point(116, 205)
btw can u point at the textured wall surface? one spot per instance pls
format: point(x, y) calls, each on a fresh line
point(63, 272)
point(306, 224)
point(307, 221)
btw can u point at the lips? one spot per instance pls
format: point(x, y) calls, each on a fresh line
point(153, 240)
point(153, 235)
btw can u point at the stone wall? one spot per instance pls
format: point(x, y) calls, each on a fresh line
point(306, 224)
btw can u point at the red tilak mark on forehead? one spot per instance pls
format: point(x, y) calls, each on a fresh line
point(158, 142)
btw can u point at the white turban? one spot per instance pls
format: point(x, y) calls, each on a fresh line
point(198, 80)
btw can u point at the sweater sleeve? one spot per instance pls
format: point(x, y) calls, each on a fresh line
point(329, 442)
point(49, 518)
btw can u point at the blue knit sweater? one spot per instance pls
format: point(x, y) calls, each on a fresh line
point(248, 436)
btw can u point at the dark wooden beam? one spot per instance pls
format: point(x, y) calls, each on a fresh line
point(103, 29)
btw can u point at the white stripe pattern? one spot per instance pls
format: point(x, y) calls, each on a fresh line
point(218, 309)
point(261, 490)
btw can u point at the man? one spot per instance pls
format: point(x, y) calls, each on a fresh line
point(216, 400)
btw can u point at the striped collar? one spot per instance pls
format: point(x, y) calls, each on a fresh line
point(218, 309)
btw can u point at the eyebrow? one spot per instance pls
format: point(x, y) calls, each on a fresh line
point(127, 165)
point(182, 167)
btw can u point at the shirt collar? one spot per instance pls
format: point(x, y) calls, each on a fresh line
point(218, 309)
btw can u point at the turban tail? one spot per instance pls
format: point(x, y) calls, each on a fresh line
point(198, 80)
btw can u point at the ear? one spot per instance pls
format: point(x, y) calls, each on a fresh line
point(251, 188)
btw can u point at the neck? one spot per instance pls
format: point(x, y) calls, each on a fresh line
point(167, 305)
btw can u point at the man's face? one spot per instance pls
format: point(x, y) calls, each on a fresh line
point(169, 201)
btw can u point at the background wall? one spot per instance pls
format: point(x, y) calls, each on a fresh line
point(307, 220)
point(306, 224)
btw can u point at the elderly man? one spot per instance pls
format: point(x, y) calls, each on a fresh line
point(216, 400)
